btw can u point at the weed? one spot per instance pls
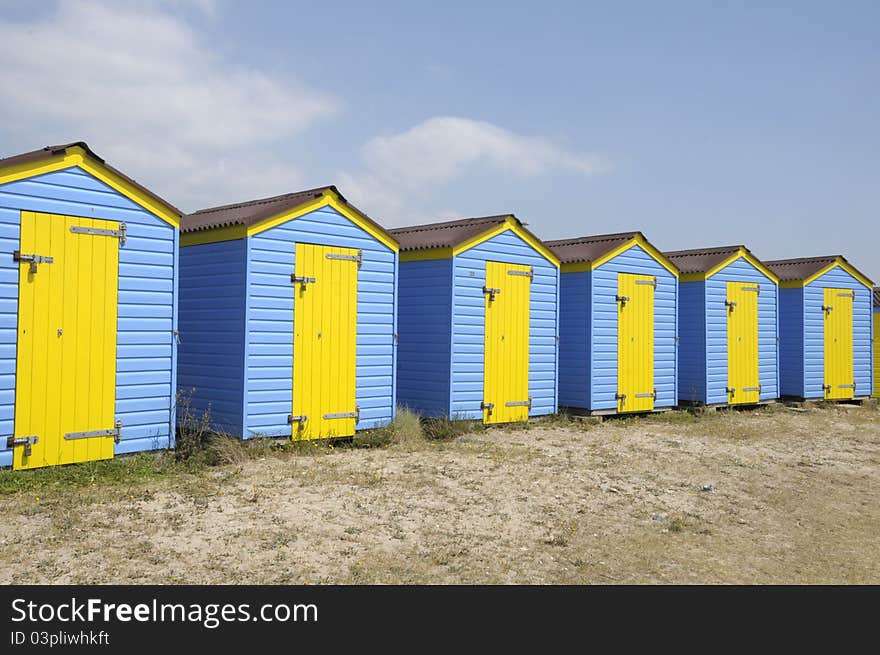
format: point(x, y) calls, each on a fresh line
point(443, 428)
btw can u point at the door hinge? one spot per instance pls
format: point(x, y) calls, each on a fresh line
point(756, 289)
point(102, 232)
point(848, 294)
point(359, 258)
point(748, 389)
point(356, 415)
point(519, 403)
point(33, 260)
point(529, 274)
point(491, 292)
point(650, 283)
point(27, 442)
point(302, 281)
point(652, 394)
point(115, 432)
point(296, 419)
point(846, 386)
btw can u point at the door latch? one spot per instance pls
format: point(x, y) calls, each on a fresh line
point(492, 292)
point(291, 419)
point(827, 308)
point(302, 281)
point(487, 406)
point(33, 260)
point(27, 442)
point(730, 303)
point(622, 299)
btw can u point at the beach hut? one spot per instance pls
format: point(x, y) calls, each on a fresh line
point(727, 327)
point(617, 343)
point(876, 342)
point(88, 310)
point(288, 317)
point(478, 320)
point(824, 328)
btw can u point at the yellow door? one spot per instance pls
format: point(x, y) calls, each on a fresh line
point(635, 342)
point(325, 332)
point(743, 384)
point(838, 310)
point(65, 378)
point(506, 368)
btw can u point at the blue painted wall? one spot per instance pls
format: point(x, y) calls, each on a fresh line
point(425, 332)
point(213, 278)
point(703, 335)
point(802, 335)
point(269, 306)
point(604, 355)
point(574, 339)
point(468, 325)
point(692, 342)
point(146, 349)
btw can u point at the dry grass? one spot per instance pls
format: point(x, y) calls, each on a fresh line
point(766, 496)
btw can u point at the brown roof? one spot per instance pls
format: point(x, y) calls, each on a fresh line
point(877, 299)
point(60, 150)
point(788, 270)
point(448, 234)
point(253, 211)
point(588, 249)
point(701, 260)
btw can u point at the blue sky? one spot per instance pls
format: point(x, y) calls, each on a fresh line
point(700, 123)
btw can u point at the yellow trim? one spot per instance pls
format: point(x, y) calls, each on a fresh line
point(427, 253)
point(514, 226)
point(638, 240)
point(327, 199)
point(742, 253)
point(845, 265)
point(78, 156)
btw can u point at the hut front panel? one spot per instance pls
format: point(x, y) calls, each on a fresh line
point(814, 332)
point(269, 344)
point(791, 342)
point(876, 371)
point(468, 328)
point(716, 362)
point(147, 302)
point(574, 339)
point(212, 324)
point(424, 329)
point(605, 310)
point(692, 383)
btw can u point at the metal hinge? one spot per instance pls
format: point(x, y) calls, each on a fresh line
point(359, 258)
point(747, 389)
point(756, 289)
point(115, 432)
point(652, 394)
point(529, 273)
point(102, 232)
point(492, 292)
point(33, 260)
point(848, 294)
point(519, 403)
point(27, 442)
point(302, 281)
point(356, 415)
point(846, 386)
point(296, 419)
point(650, 283)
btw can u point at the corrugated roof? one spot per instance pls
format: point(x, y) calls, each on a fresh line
point(701, 260)
point(877, 300)
point(789, 270)
point(589, 248)
point(60, 150)
point(252, 212)
point(447, 234)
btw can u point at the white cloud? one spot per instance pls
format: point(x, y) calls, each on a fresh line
point(398, 170)
point(147, 93)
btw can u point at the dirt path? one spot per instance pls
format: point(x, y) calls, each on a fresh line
point(746, 497)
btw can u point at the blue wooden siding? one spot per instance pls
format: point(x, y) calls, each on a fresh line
point(574, 339)
point(716, 331)
point(814, 354)
point(425, 331)
point(468, 327)
point(791, 342)
point(604, 306)
point(146, 356)
point(692, 342)
point(269, 345)
point(213, 277)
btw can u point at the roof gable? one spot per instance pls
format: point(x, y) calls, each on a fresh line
point(802, 271)
point(243, 219)
point(589, 252)
point(78, 153)
point(450, 238)
point(702, 263)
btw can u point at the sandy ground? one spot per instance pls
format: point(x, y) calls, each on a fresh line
point(767, 496)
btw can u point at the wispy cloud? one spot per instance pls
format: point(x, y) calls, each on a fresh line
point(398, 170)
point(151, 96)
